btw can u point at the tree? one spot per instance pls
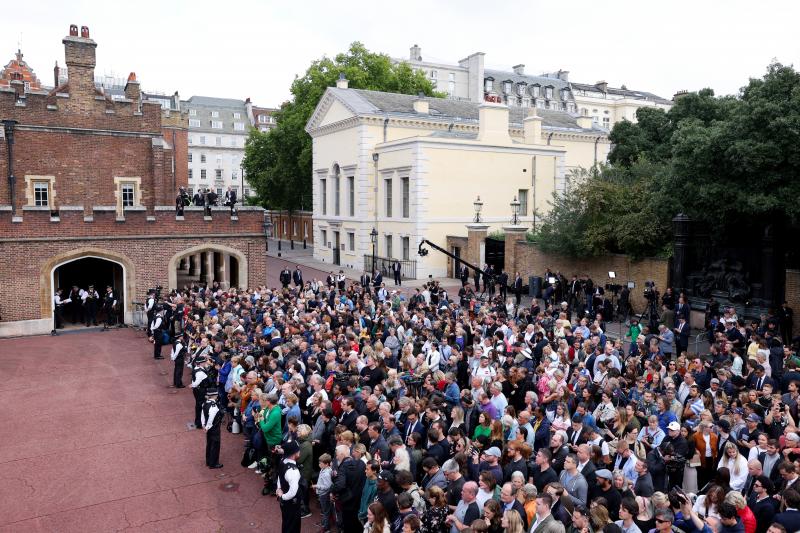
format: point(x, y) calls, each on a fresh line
point(278, 162)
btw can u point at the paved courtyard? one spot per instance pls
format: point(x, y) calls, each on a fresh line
point(94, 439)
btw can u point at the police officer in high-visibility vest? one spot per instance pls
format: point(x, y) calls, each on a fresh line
point(212, 420)
point(289, 488)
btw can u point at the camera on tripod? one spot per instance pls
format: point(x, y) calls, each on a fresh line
point(650, 292)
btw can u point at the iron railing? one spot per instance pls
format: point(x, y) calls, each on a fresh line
point(408, 267)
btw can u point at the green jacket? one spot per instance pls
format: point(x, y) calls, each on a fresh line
point(304, 462)
point(634, 331)
point(271, 426)
point(367, 496)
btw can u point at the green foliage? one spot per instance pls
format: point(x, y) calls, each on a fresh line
point(720, 160)
point(497, 235)
point(278, 163)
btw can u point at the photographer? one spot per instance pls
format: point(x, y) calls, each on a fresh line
point(181, 201)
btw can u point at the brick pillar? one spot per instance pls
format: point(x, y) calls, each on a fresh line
point(513, 234)
point(476, 244)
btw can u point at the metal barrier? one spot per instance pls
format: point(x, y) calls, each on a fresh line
point(139, 315)
point(697, 341)
point(408, 267)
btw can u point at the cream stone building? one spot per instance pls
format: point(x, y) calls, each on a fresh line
point(411, 167)
point(470, 80)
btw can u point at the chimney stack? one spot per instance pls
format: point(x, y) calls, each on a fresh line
point(415, 53)
point(342, 82)
point(563, 75)
point(602, 85)
point(493, 123)
point(532, 128)
point(519, 69)
point(132, 89)
point(421, 105)
point(79, 54)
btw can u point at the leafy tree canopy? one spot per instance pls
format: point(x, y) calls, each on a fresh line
point(278, 162)
point(720, 160)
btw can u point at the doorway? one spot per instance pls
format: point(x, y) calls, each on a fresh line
point(337, 259)
point(82, 273)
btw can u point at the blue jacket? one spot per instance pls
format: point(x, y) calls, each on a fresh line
point(222, 378)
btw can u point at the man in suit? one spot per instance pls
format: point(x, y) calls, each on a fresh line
point(349, 414)
point(365, 280)
point(463, 275)
point(297, 276)
point(285, 277)
point(682, 310)
point(502, 280)
point(348, 484)
point(763, 505)
point(585, 465)
point(657, 469)
point(413, 425)
point(543, 521)
point(377, 279)
point(397, 270)
point(517, 289)
point(682, 331)
point(576, 434)
point(790, 518)
point(508, 502)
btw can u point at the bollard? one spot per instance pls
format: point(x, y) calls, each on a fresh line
point(291, 243)
point(304, 244)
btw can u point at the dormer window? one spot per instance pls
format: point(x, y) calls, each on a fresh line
point(488, 84)
point(507, 86)
point(565, 94)
point(536, 90)
point(521, 88)
point(548, 92)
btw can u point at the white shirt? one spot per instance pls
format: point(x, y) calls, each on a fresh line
point(292, 476)
point(212, 413)
point(432, 360)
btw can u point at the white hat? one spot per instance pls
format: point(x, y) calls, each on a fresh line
point(673, 426)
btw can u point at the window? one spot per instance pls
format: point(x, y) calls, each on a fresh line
point(234, 174)
point(606, 123)
point(219, 141)
point(202, 158)
point(548, 92)
point(404, 182)
point(324, 235)
point(193, 112)
point(351, 241)
point(406, 248)
point(202, 173)
point(263, 129)
point(336, 195)
point(521, 89)
point(190, 173)
point(305, 230)
point(190, 157)
point(218, 174)
point(219, 161)
point(488, 84)
point(388, 187)
point(389, 246)
point(128, 191)
point(191, 139)
point(237, 115)
point(246, 191)
point(219, 192)
point(451, 83)
point(216, 124)
point(238, 126)
point(233, 141)
point(215, 114)
point(536, 91)
point(262, 119)
point(41, 193)
point(507, 87)
point(235, 189)
point(351, 189)
point(434, 75)
point(523, 202)
point(202, 139)
point(194, 123)
point(323, 186)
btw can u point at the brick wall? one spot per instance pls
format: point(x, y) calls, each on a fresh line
point(792, 295)
point(290, 225)
point(533, 262)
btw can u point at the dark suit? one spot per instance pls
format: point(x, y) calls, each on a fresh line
point(588, 473)
point(349, 420)
point(682, 337)
point(764, 512)
point(464, 275)
point(559, 456)
point(571, 439)
point(789, 519)
point(682, 310)
point(348, 484)
point(297, 277)
point(410, 428)
point(516, 506)
point(503, 281)
point(657, 469)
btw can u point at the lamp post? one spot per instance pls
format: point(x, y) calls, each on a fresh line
point(478, 205)
point(374, 238)
point(514, 211)
point(8, 128)
point(267, 226)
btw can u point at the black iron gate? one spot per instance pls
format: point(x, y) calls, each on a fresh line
point(496, 254)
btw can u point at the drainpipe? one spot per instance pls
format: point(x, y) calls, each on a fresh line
point(385, 127)
point(8, 127)
point(597, 140)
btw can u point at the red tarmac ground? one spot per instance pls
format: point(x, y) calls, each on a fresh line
point(94, 439)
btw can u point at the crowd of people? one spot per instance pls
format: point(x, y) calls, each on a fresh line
point(465, 415)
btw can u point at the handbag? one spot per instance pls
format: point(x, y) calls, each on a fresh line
point(249, 456)
point(165, 337)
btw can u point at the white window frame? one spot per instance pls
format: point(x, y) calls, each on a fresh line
point(127, 192)
point(237, 115)
point(216, 124)
point(202, 174)
point(41, 185)
point(193, 112)
point(215, 114)
point(194, 122)
point(238, 126)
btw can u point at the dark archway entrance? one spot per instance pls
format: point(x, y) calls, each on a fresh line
point(82, 273)
point(496, 254)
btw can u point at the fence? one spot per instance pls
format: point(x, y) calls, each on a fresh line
point(408, 267)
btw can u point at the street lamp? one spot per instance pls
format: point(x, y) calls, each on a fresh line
point(478, 205)
point(374, 238)
point(514, 211)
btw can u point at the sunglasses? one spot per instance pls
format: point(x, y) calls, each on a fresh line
point(658, 520)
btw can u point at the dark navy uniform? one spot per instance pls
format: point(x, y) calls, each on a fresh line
point(211, 421)
point(289, 485)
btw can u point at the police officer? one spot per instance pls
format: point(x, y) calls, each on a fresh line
point(212, 420)
point(90, 299)
point(200, 382)
point(289, 488)
point(178, 355)
point(150, 306)
point(58, 307)
point(157, 329)
point(109, 304)
point(285, 278)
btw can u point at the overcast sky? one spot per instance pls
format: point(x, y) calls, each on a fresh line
point(240, 49)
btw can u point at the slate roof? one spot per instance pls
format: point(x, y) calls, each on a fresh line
point(225, 107)
point(628, 93)
point(363, 102)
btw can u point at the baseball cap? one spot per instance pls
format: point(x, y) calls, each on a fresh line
point(494, 450)
point(714, 380)
point(386, 475)
point(752, 417)
point(673, 426)
point(604, 473)
point(738, 411)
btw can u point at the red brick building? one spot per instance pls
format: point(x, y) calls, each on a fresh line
point(87, 190)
